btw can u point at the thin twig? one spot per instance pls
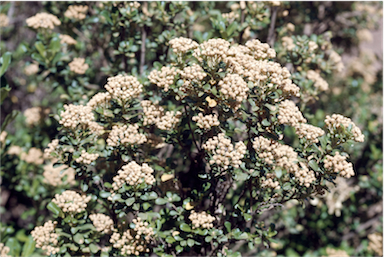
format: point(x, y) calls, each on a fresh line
point(190, 127)
point(271, 32)
point(142, 51)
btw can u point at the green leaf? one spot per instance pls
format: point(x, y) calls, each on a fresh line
point(54, 208)
point(130, 201)
point(5, 61)
point(247, 216)
point(190, 242)
point(179, 249)
point(184, 227)
point(227, 225)
point(10, 117)
point(232, 27)
point(278, 172)
point(313, 164)
point(242, 236)
point(40, 47)
point(93, 248)
point(170, 240)
point(14, 247)
point(4, 93)
point(29, 247)
point(55, 44)
point(78, 238)
point(160, 201)
point(208, 239)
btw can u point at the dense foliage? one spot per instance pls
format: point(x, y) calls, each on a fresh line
point(190, 128)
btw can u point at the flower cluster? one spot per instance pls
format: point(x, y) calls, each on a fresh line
point(201, 219)
point(233, 87)
point(127, 244)
point(376, 243)
point(133, 174)
point(283, 156)
point(182, 45)
point(101, 99)
point(213, 50)
point(34, 156)
point(163, 78)
point(309, 132)
point(78, 66)
point(224, 153)
point(290, 114)
point(169, 120)
point(31, 69)
point(51, 148)
point(54, 175)
point(288, 43)
point(87, 158)
point(319, 82)
point(336, 123)
point(70, 201)
point(75, 115)
point(4, 20)
point(206, 121)
point(268, 181)
point(125, 135)
point(152, 112)
point(123, 88)
point(4, 250)
point(338, 164)
point(43, 20)
point(142, 229)
point(46, 238)
point(66, 39)
point(14, 150)
point(260, 50)
point(78, 12)
point(32, 116)
point(336, 253)
point(3, 136)
point(102, 222)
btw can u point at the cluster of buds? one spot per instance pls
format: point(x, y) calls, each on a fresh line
point(336, 123)
point(43, 20)
point(125, 135)
point(87, 158)
point(206, 121)
point(201, 219)
point(70, 201)
point(339, 165)
point(78, 12)
point(102, 223)
point(78, 66)
point(46, 238)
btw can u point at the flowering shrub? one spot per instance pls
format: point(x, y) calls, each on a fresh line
point(175, 139)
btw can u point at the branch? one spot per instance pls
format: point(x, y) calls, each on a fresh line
point(271, 32)
point(142, 51)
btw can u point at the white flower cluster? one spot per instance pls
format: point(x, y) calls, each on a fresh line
point(336, 121)
point(54, 175)
point(31, 69)
point(4, 250)
point(78, 66)
point(201, 219)
point(51, 148)
point(224, 154)
point(283, 156)
point(169, 120)
point(34, 156)
point(125, 135)
point(66, 39)
point(213, 50)
point(163, 78)
point(152, 112)
point(290, 114)
point(14, 150)
point(70, 201)
point(336, 252)
point(182, 45)
point(134, 4)
point(75, 115)
point(32, 116)
point(233, 87)
point(102, 222)
point(268, 182)
point(142, 229)
point(260, 50)
point(312, 46)
point(100, 100)
point(127, 244)
point(46, 238)
point(190, 74)
point(338, 164)
point(123, 88)
point(309, 132)
point(4, 20)
point(3, 136)
point(376, 243)
point(336, 61)
point(78, 12)
point(206, 121)
point(133, 174)
point(319, 82)
point(288, 43)
point(87, 158)
point(43, 20)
